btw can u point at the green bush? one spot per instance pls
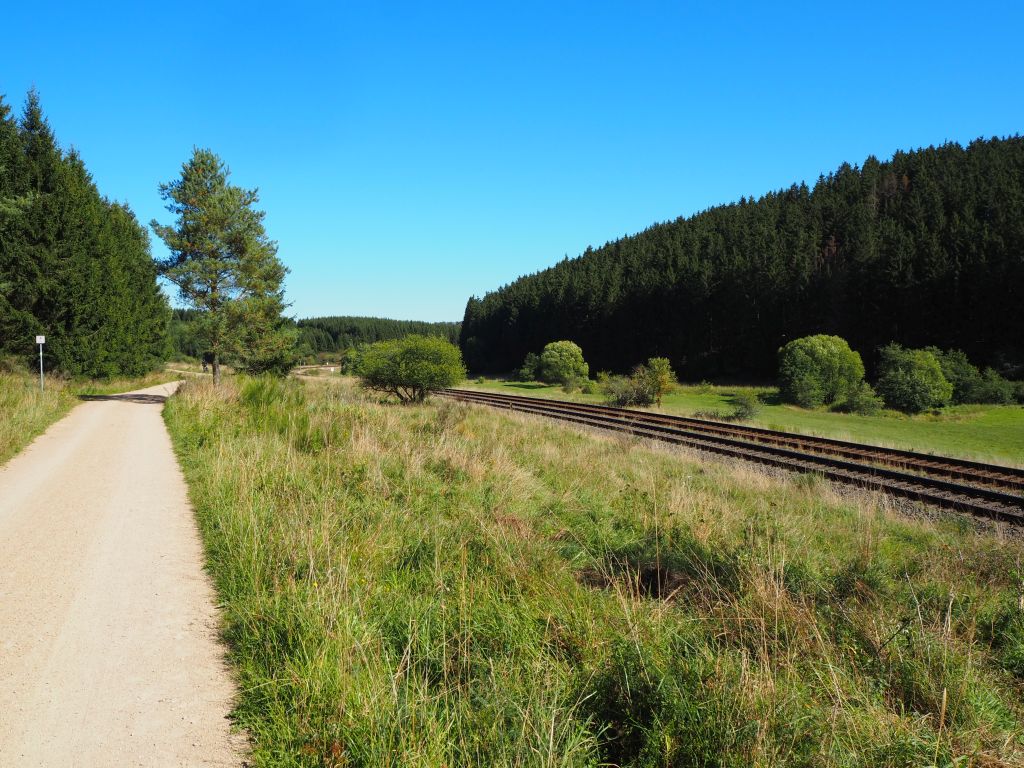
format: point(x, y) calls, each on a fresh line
point(911, 380)
point(411, 367)
point(645, 386)
point(636, 389)
point(969, 384)
point(863, 400)
point(561, 361)
point(818, 370)
point(574, 384)
point(746, 405)
point(993, 389)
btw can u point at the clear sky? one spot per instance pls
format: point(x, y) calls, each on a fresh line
point(410, 155)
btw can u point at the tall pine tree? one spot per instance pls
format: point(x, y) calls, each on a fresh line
point(226, 267)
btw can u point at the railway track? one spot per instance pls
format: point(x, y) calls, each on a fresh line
point(989, 490)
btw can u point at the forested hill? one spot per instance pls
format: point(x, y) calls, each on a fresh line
point(927, 248)
point(74, 266)
point(335, 334)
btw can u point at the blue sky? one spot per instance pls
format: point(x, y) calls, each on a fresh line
point(410, 155)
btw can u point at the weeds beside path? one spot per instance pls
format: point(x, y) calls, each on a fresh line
point(442, 585)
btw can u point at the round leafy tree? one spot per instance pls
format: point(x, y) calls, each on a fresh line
point(562, 361)
point(911, 380)
point(819, 370)
point(411, 367)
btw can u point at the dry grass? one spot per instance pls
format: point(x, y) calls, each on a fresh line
point(444, 585)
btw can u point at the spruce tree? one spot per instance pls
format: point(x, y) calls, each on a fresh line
point(73, 265)
point(225, 266)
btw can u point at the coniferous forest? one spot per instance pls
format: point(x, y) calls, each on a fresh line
point(74, 265)
point(926, 249)
point(336, 334)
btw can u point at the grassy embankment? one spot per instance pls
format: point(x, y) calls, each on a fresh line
point(439, 585)
point(25, 412)
point(983, 432)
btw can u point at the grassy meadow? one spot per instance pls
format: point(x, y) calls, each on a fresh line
point(982, 432)
point(25, 412)
point(443, 585)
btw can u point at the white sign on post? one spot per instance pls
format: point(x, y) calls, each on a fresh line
point(40, 340)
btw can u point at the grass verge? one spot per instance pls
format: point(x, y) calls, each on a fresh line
point(441, 585)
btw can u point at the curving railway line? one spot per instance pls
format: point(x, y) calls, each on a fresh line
point(989, 490)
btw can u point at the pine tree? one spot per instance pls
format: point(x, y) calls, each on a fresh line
point(225, 266)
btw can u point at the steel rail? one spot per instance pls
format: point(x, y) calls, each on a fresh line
point(1004, 478)
point(984, 501)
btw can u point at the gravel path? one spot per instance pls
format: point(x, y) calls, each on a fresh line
point(108, 649)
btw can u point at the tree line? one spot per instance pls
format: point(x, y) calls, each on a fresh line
point(336, 334)
point(74, 266)
point(926, 249)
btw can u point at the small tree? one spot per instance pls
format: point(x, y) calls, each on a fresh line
point(561, 361)
point(819, 370)
point(911, 380)
point(411, 367)
point(225, 266)
point(661, 376)
point(530, 367)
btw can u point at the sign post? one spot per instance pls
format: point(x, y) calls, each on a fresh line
point(40, 340)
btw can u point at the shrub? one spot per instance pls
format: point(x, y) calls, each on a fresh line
point(573, 384)
point(959, 372)
point(411, 367)
point(625, 391)
point(911, 380)
point(561, 361)
point(818, 370)
point(994, 389)
point(530, 367)
point(969, 384)
point(746, 405)
point(350, 360)
point(862, 400)
point(1018, 391)
point(662, 377)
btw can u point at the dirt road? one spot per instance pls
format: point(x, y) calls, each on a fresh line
point(108, 650)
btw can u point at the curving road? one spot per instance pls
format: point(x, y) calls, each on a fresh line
point(108, 649)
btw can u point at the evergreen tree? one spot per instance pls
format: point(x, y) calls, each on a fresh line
point(73, 265)
point(225, 266)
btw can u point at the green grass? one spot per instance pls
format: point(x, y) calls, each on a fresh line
point(25, 412)
point(442, 585)
point(983, 432)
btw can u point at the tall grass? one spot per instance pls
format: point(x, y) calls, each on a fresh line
point(442, 586)
point(25, 411)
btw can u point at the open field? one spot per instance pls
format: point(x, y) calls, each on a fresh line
point(982, 432)
point(443, 585)
point(26, 412)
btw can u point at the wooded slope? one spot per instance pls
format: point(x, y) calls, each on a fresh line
point(927, 248)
